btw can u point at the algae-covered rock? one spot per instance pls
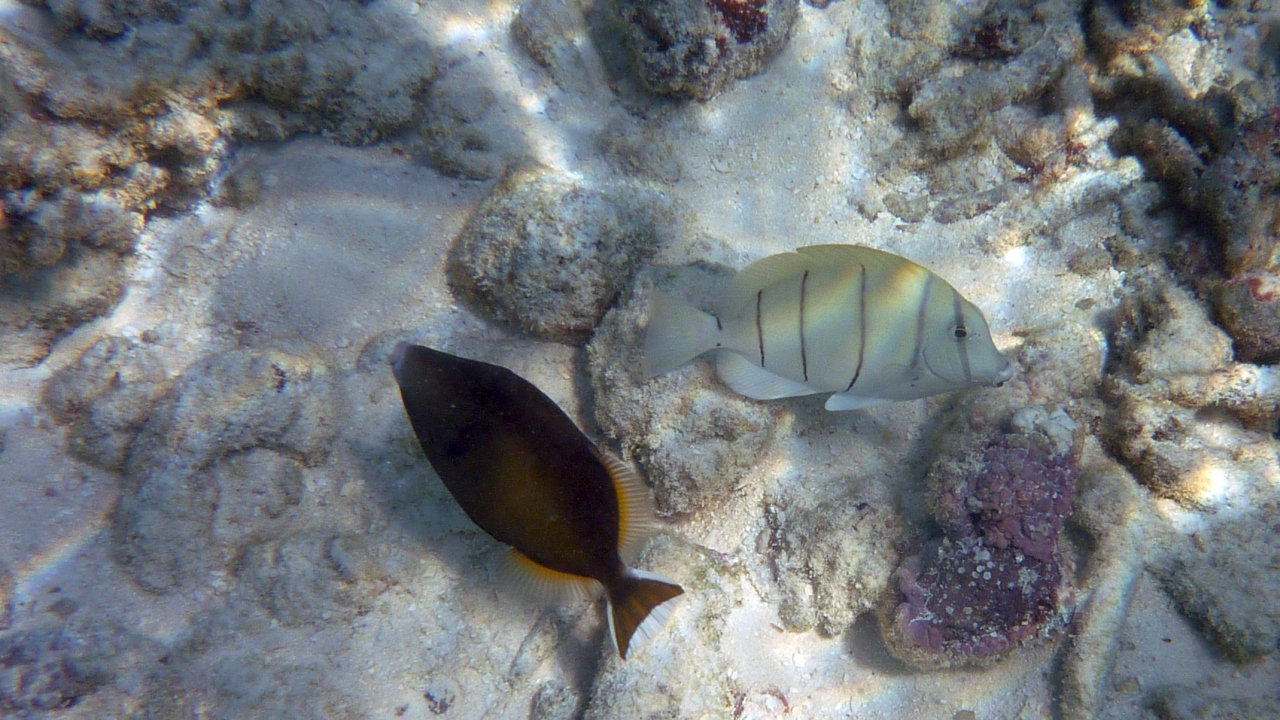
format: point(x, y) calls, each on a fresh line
point(247, 684)
point(657, 421)
point(240, 399)
point(694, 48)
point(1178, 702)
point(1159, 390)
point(549, 253)
point(1035, 42)
point(1249, 306)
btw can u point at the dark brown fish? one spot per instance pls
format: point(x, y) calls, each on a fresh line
point(523, 471)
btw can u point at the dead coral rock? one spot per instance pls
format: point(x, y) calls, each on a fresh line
point(1171, 364)
point(695, 48)
point(464, 134)
point(658, 420)
point(549, 31)
point(1249, 306)
point(549, 254)
point(348, 68)
point(176, 528)
point(1155, 328)
point(998, 581)
point(1178, 702)
point(240, 684)
point(1224, 579)
point(649, 683)
point(49, 669)
point(240, 399)
point(219, 460)
point(832, 558)
point(313, 579)
point(104, 398)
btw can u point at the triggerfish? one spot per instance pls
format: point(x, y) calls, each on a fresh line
point(867, 325)
point(523, 471)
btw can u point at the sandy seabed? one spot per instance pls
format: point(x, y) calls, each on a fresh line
point(211, 502)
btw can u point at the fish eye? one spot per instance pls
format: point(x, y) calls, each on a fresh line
point(960, 332)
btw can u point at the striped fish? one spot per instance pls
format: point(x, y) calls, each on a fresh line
point(867, 325)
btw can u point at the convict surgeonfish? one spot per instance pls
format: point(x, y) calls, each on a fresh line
point(865, 324)
point(523, 471)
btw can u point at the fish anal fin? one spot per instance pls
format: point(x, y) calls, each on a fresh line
point(540, 583)
point(747, 378)
point(848, 401)
point(639, 605)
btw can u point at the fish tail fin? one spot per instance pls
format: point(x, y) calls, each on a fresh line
point(639, 605)
point(677, 333)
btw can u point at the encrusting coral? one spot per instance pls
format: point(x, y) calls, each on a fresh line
point(997, 580)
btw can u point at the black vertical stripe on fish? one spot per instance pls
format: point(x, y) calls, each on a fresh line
point(920, 318)
point(522, 470)
point(759, 326)
point(964, 348)
point(804, 357)
point(862, 326)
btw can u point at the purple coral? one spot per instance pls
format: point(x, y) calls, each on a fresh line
point(995, 582)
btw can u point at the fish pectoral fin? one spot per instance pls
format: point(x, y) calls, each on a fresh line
point(849, 401)
point(751, 380)
point(540, 583)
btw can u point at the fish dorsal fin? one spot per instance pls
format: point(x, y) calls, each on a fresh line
point(879, 263)
point(849, 401)
point(757, 276)
point(636, 519)
point(638, 607)
point(541, 584)
point(747, 378)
